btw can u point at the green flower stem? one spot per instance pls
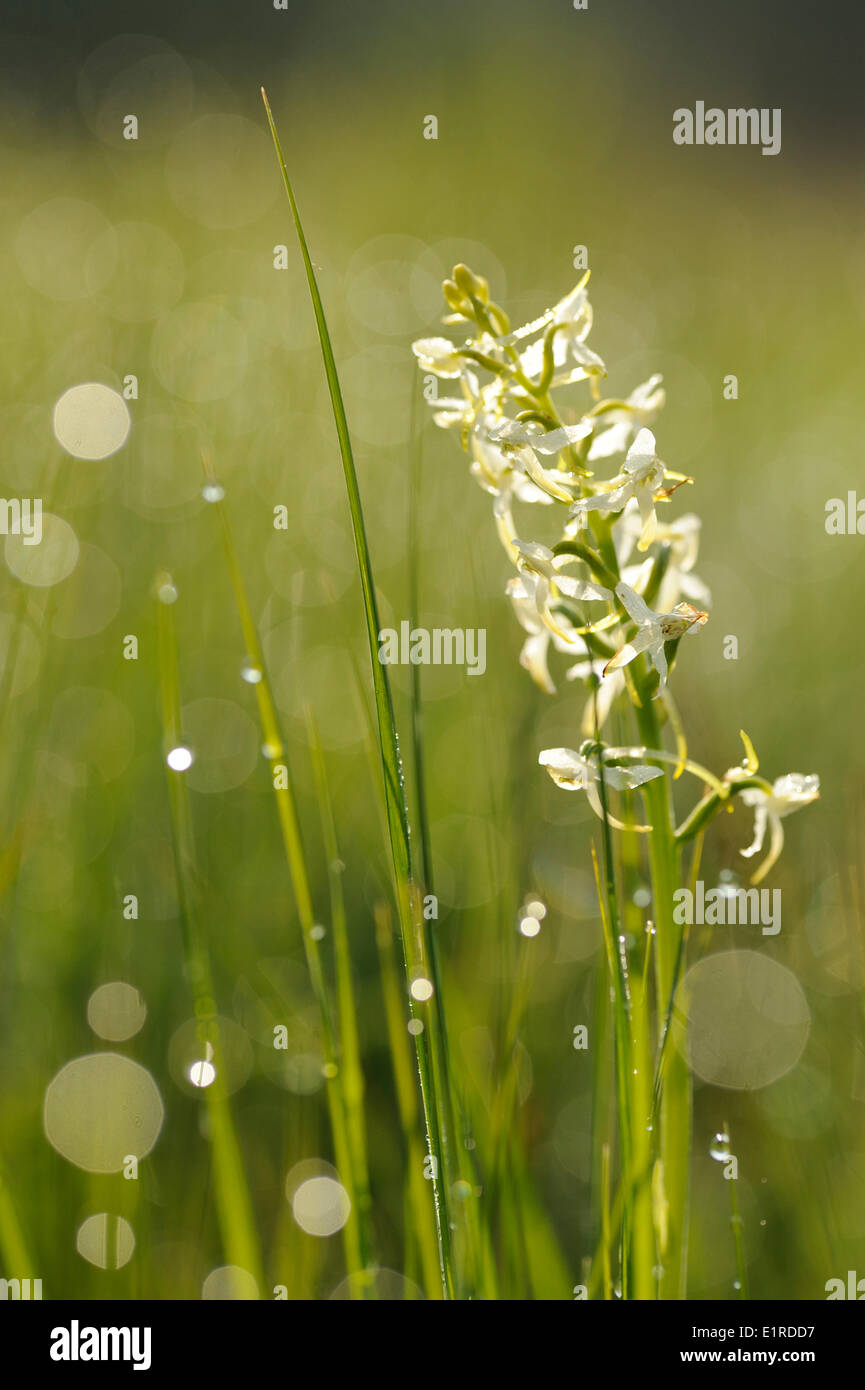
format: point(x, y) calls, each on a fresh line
point(708, 808)
point(640, 1079)
point(675, 1116)
point(617, 966)
point(599, 569)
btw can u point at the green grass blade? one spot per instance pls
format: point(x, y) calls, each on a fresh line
point(233, 1202)
point(349, 1035)
point(356, 1232)
point(396, 807)
point(420, 1229)
point(413, 928)
point(14, 1252)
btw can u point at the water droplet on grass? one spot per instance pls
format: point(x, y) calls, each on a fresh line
point(720, 1147)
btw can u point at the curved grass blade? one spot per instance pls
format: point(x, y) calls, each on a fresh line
point(416, 948)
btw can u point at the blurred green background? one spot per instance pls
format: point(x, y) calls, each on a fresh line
point(155, 258)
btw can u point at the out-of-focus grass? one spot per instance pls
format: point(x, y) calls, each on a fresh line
point(729, 267)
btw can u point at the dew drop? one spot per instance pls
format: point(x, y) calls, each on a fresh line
point(179, 759)
point(720, 1147)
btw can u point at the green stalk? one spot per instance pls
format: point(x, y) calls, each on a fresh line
point(617, 966)
point(352, 1071)
point(17, 1261)
point(470, 1237)
point(738, 1233)
point(233, 1202)
point(675, 1111)
point(606, 1260)
point(633, 1075)
point(415, 936)
point(357, 1239)
point(420, 1228)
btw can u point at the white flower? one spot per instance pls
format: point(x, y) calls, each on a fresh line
point(541, 573)
point(642, 477)
point(551, 442)
point(654, 629)
point(535, 653)
point(501, 470)
point(459, 411)
point(615, 428)
point(788, 794)
point(521, 446)
point(683, 538)
point(567, 347)
point(573, 310)
point(572, 319)
point(533, 656)
point(575, 772)
point(439, 356)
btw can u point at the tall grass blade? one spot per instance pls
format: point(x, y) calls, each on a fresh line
point(233, 1203)
point(413, 928)
point(357, 1239)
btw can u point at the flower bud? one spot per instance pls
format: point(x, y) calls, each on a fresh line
point(455, 299)
point(465, 278)
point(471, 285)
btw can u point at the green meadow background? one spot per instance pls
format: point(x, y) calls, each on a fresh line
point(155, 258)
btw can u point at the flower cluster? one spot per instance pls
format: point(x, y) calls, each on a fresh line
point(612, 547)
point(523, 451)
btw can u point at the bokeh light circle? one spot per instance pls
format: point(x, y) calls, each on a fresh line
point(202, 1047)
point(65, 249)
point(220, 171)
point(140, 75)
point(385, 1285)
point(148, 272)
point(230, 1282)
point(91, 421)
point(199, 352)
point(101, 1108)
point(91, 598)
point(321, 1206)
point(92, 727)
point(741, 1019)
point(47, 563)
point(226, 742)
point(116, 1011)
point(106, 1241)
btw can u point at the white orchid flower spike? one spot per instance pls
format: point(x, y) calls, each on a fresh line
point(653, 630)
